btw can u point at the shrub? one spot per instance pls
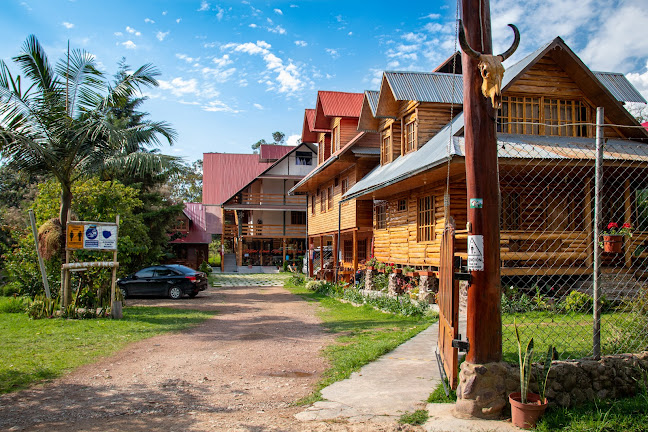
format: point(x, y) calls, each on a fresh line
point(42, 307)
point(11, 289)
point(297, 279)
point(14, 305)
point(205, 267)
point(313, 285)
point(577, 302)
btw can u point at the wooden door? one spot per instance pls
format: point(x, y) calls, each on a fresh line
point(448, 300)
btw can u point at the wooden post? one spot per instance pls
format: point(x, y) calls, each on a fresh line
point(355, 252)
point(484, 320)
point(311, 256)
point(589, 261)
point(627, 204)
point(115, 309)
point(284, 250)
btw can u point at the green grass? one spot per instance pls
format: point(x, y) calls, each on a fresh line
point(36, 350)
point(439, 396)
point(363, 335)
point(415, 418)
point(627, 415)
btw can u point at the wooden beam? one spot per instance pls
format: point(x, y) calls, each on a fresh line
point(627, 205)
point(355, 252)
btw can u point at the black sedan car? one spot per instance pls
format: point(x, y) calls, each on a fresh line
point(171, 280)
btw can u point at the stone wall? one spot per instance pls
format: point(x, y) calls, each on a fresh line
point(482, 389)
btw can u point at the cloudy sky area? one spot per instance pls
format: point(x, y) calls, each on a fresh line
point(235, 71)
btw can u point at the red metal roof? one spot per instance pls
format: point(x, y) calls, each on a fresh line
point(336, 104)
point(308, 133)
point(645, 125)
point(226, 173)
point(273, 152)
point(197, 226)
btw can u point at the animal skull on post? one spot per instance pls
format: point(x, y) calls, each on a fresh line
point(490, 66)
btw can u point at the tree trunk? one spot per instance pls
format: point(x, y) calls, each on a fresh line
point(66, 204)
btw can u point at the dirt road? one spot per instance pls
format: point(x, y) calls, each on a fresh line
point(239, 371)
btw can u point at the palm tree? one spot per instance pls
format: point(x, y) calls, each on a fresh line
point(62, 122)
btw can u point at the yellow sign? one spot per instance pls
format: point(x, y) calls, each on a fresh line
point(75, 236)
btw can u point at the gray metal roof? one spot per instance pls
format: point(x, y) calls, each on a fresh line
point(619, 86)
point(426, 86)
point(372, 98)
point(439, 149)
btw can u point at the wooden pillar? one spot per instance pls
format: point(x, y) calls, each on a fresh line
point(627, 206)
point(589, 228)
point(355, 252)
point(284, 250)
point(239, 251)
point(261, 253)
point(321, 242)
point(311, 255)
point(484, 320)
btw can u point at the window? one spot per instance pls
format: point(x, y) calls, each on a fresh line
point(510, 211)
point(323, 201)
point(330, 197)
point(425, 220)
point(386, 148)
point(146, 273)
point(381, 215)
point(303, 158)
point(312, 204)
point(410, 136)
point(348, 251)
point(297, 218)
point(335, 137)
point(525, 115)
point(362, 250)
point(181, 224)
point(402, 205)
point(321, 148)
point(345, 185)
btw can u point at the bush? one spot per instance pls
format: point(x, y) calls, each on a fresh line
point(297, 279)
point(313, 285)
point(11, 289)
point(13, 305)
point(42, 307)
point(577, 302)
point(205, 267)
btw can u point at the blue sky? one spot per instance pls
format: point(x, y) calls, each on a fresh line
point(234, 72)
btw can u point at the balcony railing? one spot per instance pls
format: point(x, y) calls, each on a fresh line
point(256, 199)
point(265, 230)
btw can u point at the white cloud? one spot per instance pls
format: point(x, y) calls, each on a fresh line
point(258, 106)
point(294, 6)
point(301, 43)
point(180, 87)
point(178, 20)
point(243, 83)
point(333, 52)
point(431, 16)
point(278, 29)
point(165, 12)
point(133, 31)
point(204, 6)
point(640, 80)
point(118, 34)
point(253, 25)
point(414, 37)
point(220, 13)
point(67, 25)
point(186, 58)
point(161, 35)
point(288, 76)
point(149, 21)
point(129, 44)
point(293, 140)
point(222, 61)
point(218, 75)
point(350, 34)
point(278, 11)
point(218, 106)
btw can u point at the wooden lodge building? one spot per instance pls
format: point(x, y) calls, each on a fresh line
point(344, 157)
point(260, 222)
point(546, 153)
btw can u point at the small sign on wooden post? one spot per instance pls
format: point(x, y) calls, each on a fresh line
point(94, 236)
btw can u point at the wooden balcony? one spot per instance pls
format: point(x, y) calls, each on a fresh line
point(265, 230)
point(261, 199)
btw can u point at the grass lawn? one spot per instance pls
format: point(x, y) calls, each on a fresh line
point(36, 350)
point(363, 335)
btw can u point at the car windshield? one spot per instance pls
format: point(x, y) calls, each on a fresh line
point(182, 269)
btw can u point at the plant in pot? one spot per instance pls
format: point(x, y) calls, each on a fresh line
point(410, 271)
point(526, 407)
point(613, 237)
point(372, 263)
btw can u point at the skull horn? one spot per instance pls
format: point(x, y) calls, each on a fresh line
point(509, 52)
point(464, 43)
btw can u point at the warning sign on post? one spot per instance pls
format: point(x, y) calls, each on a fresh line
point(475, 253)
point(75, 236)
point(92, 236)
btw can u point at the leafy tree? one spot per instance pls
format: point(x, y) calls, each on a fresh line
point(638, 111)
point(277, 138)
point(186, 185)
point(62, 125)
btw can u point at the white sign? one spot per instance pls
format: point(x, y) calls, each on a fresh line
point(476, 253)
point(100, 237)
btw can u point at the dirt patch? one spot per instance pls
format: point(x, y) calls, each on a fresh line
point(241, 370)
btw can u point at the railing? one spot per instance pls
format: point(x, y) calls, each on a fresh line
point(265, 230)
point(247, 198)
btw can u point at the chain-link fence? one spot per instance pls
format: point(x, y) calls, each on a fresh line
point(574, 240)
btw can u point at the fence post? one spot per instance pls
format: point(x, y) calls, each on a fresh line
point(598, 180)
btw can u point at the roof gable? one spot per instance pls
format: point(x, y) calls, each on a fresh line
point(273, 152)
point(336, 104)
point(368, 121)
point(308, 134)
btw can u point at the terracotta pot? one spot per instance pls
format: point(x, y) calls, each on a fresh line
point(526, 415)
point(371, 268)
point(398, 271)
point(412, 274)
point(613, 243)
point(426, 273)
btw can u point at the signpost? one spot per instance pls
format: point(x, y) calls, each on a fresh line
point(92, 236)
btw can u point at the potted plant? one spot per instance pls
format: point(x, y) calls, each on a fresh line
point(527, 408)
point(613, 237)
point(372, 263)
point(411, 272)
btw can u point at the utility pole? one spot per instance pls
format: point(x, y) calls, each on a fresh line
point(484, 320)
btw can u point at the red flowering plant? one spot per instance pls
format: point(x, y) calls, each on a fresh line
point(613, 229)
point(372, 262)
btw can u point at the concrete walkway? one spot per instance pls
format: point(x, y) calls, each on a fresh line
point(242, 280)
point(397, 382)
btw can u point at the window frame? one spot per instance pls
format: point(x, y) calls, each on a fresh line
point(303, 158)
point(345, 185)
point(402, 208)
point(335, 139)
point(329, 204)
point(425, 219)
point(409, 137)
point(386, 142)
point(380, 215)
point(297, 218)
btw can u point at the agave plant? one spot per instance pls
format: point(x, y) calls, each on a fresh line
point(60, 121)
point(525, 364)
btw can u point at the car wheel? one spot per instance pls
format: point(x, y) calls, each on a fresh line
point(175, 293)
point(124, 293)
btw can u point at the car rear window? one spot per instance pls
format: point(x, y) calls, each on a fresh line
point(147, 272)
point(182, 269)
point(165, 272)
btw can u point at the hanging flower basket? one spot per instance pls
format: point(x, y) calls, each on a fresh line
point(613, 243)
